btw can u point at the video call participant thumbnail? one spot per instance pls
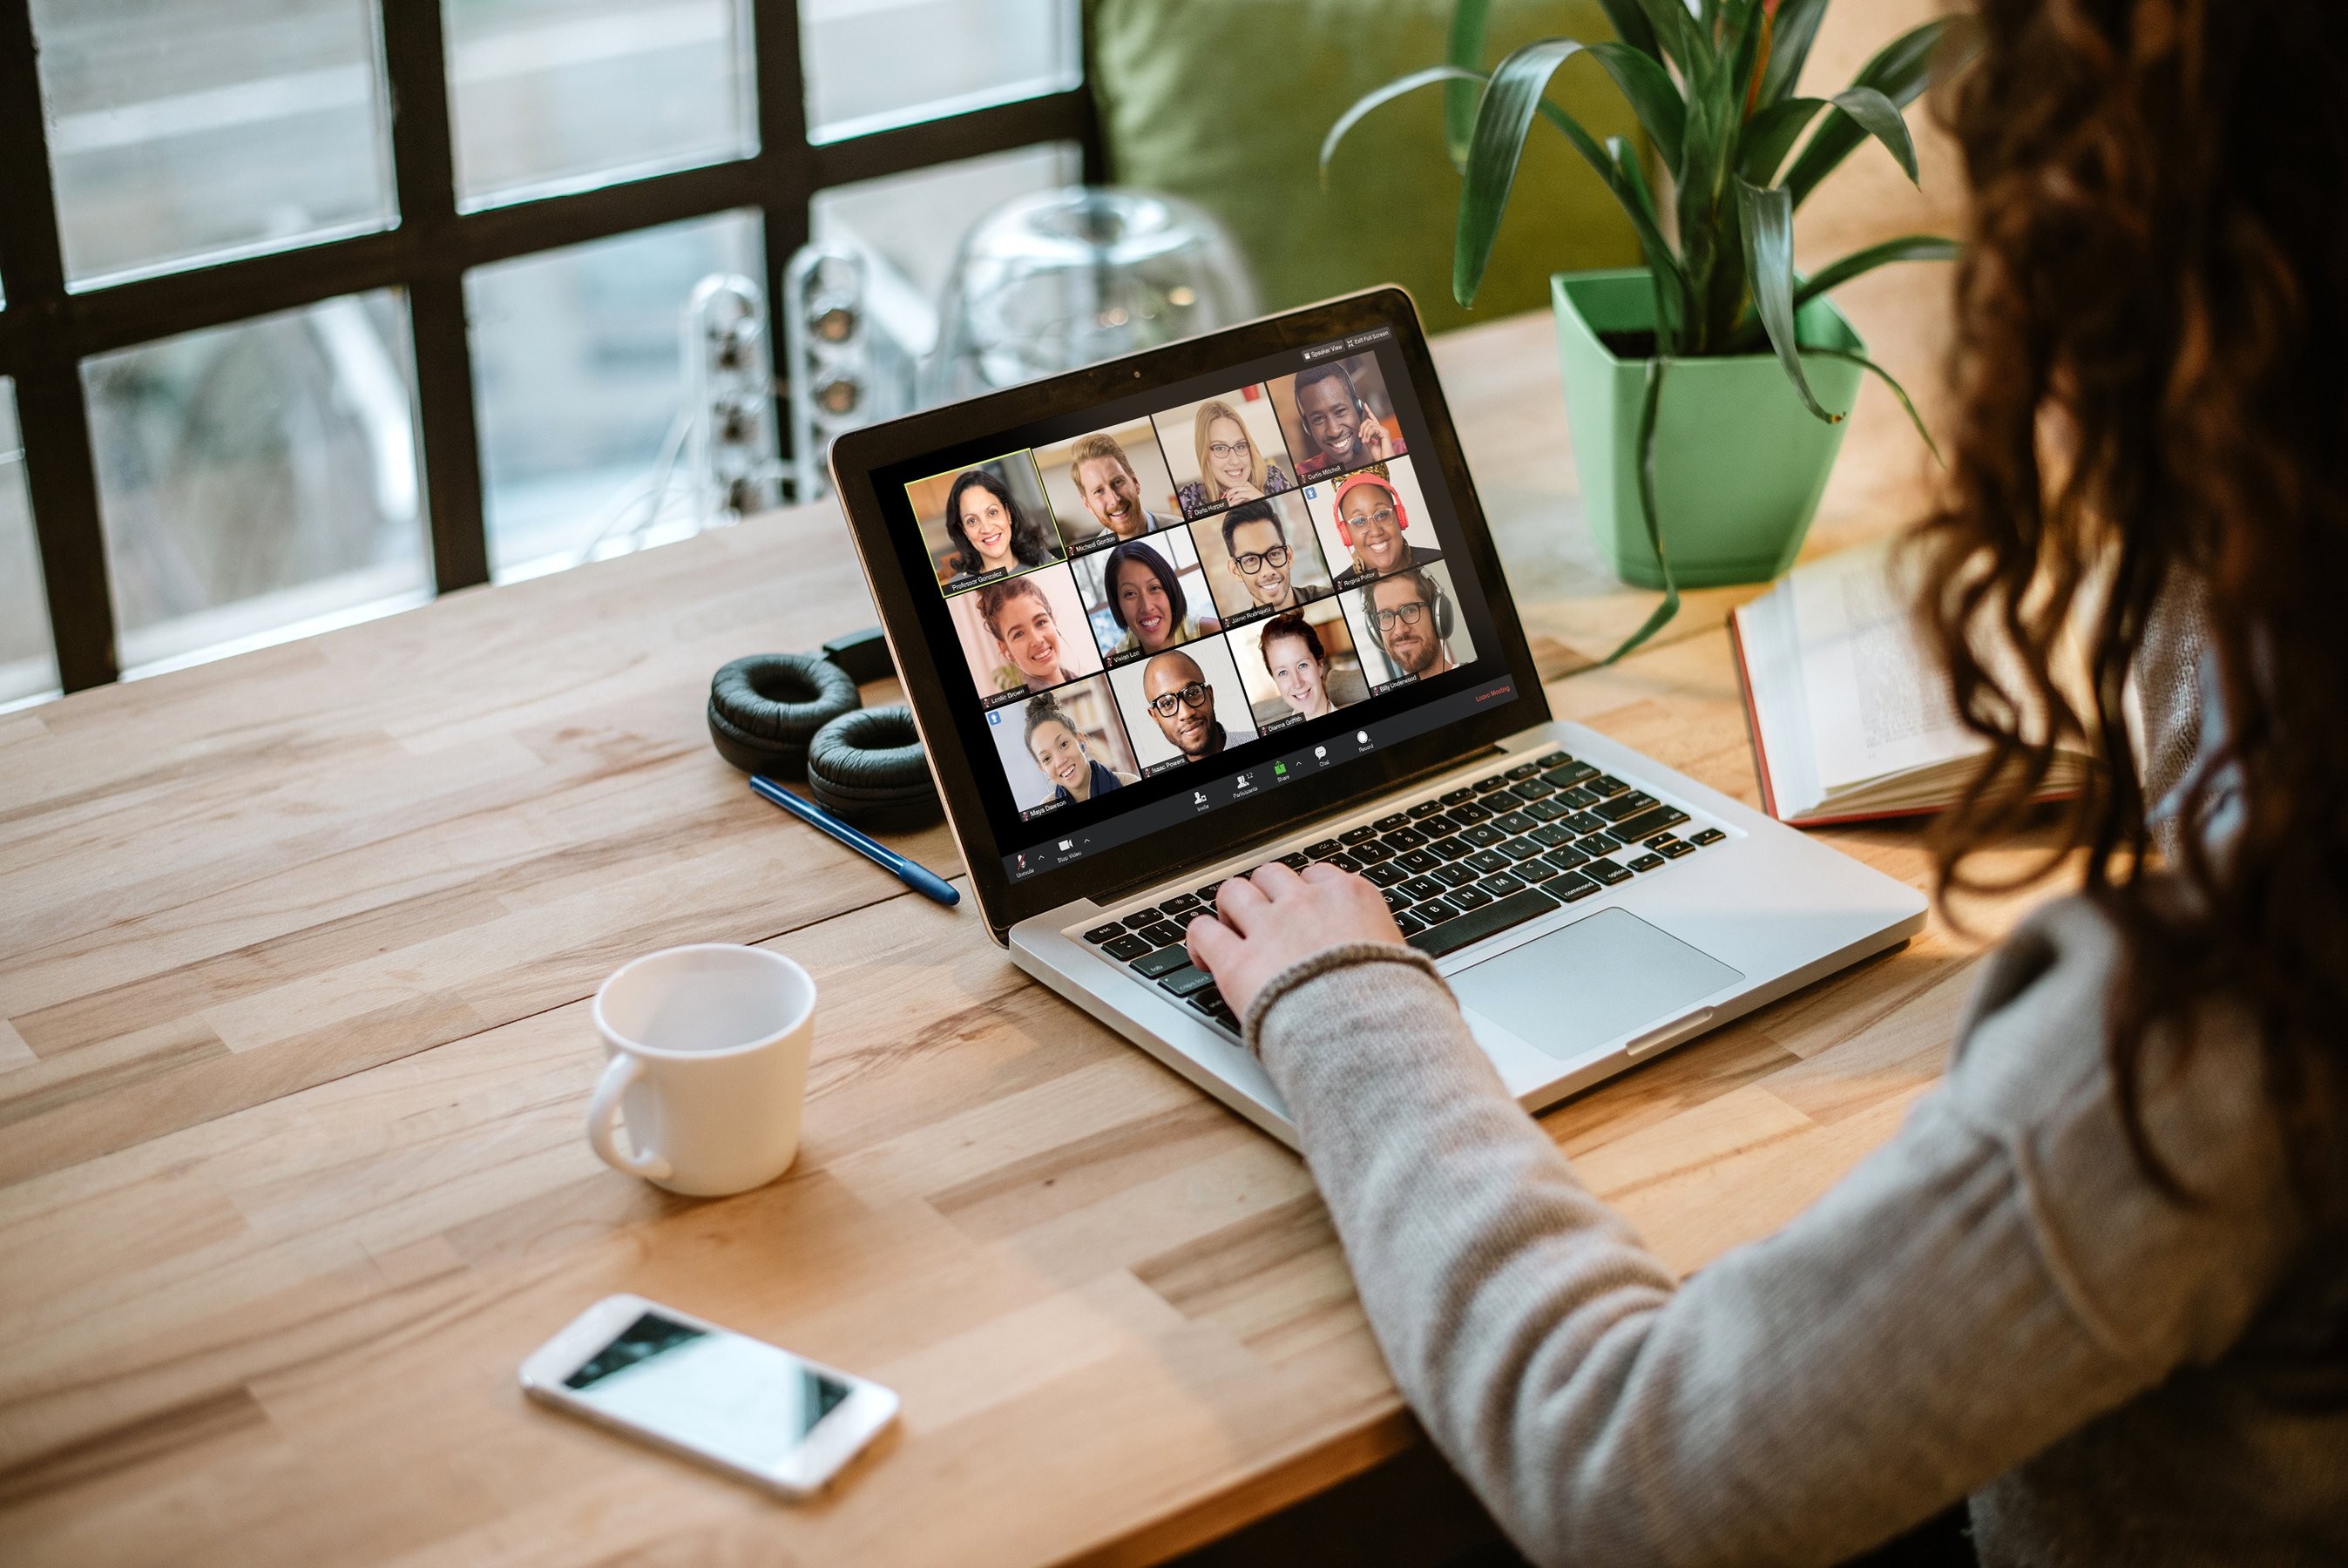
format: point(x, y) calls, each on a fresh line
point(1025, 633)
point(1183, 706)
point(1061, 756)
point(1234, 450)
point(986, 528)
point(1370, 517)
point(1110, 486)
point(1260, 558)
point(1301, 665)
point(1063, 748)
point(1335, 427)
point(1146, 596)
point(1413, 623)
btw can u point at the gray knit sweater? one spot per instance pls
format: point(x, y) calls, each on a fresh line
point(1996, 1305)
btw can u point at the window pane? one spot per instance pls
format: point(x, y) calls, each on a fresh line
point(28, 662)
point(181, 129)
point(873, 63)
point(579, 381)
point(258, 481)
point(537, 85)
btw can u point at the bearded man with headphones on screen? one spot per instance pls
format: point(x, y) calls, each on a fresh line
point(1370, 519)
point(1412, 616)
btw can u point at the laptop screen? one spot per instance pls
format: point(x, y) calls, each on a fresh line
point(1148, 610)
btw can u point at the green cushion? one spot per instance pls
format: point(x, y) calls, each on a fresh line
point(1226, 101)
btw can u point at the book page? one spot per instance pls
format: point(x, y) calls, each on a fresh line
point(1875, 706)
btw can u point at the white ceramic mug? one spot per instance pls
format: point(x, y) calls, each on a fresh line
point(705, 1052)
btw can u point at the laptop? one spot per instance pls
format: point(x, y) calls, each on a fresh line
point(1232, 600)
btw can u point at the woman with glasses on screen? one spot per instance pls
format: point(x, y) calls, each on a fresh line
point(1231, 466)
point(1147, 601)
point(1370, 519)
point(991, 534)
point(1067, 763)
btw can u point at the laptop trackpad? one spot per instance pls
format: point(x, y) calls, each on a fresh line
point(1589, 982)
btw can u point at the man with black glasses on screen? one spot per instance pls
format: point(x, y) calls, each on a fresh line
point(1183, 705)
point(1258, 547)
point(1408, 612)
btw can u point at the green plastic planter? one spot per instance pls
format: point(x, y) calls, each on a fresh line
point(1739, 463)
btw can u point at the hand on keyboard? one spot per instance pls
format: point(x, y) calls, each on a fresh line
point(1273, 917)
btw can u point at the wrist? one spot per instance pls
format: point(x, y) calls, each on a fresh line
point(1329, 959)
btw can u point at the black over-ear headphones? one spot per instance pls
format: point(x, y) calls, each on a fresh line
point(1438, 603)
point(800, 716)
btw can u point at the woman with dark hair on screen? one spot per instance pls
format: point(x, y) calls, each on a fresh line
point(2097, 1283)
point(1067, 763)
point(990, 532)
point(1147, 601)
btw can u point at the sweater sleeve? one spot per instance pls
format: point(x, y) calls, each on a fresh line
point(1946, 1311)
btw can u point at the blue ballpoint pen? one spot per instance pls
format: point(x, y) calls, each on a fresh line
point(921, 880)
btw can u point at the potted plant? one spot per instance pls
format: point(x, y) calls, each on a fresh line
point(1711, 472)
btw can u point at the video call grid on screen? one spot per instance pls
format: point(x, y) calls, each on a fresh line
point(1100, 599)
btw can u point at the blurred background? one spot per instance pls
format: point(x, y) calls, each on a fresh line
point(274, 359)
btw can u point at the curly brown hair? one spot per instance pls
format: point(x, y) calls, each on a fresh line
point(2149, 374)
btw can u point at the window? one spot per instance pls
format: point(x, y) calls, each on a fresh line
point(275, 358)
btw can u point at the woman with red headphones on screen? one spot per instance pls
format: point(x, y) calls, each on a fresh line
point(1370, 519)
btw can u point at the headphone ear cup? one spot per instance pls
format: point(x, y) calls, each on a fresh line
point(1442, 609)
point(868, 767)
point(764, 709)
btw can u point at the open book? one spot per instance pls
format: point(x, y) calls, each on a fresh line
point(1850, 718)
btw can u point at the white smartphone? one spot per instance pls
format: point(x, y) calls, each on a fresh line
point(749, 1408)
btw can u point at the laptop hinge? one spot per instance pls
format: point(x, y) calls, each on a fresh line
point(1174, 872)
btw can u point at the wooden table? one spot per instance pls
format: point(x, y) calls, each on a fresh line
point(294, 954)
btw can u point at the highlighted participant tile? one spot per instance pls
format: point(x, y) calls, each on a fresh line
point(985, 522)
point(1298, 666)
point(1183, 706)
point(1063, 748)
point(1025, 634)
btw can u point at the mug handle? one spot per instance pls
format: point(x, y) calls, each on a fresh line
point(603, 1120)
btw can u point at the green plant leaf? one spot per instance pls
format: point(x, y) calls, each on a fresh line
point(1898, 391)
point(1678, 36)
point(1632, 194)
point(1769, 260)
point(1663, 613)
point(1377, 97)
point(1742, 31)
point(1791, 35)
point(1899, 71)
point(1770, 135)
point(1653, 97)
point(1470, 21)
point(1905, 248)
point(1880, 118)
point(1630, 27)
point(1503, 119)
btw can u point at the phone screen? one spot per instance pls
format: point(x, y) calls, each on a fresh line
point(734, 1397)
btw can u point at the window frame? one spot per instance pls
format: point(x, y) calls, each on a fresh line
point(47, 330)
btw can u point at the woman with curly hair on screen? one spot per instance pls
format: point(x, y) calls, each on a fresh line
point(2089, 1304)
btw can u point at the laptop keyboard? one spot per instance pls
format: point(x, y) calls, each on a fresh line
point(1457, 867)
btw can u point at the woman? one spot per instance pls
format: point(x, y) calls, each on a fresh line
point(1291, 652)
point(1066, 762)
point(990, 534)
point(1230, 468)
point(1036, 656)
point(1372, 520)
point(2099, 1279)
point(1147, 601)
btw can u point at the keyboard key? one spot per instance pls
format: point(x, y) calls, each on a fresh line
point(1460, 797)
point(1606, 871)
point(1585, 822)
point(1515, 822)
point(1370, 852)
point(1402, 838)
point(1580, 798)
point(1387, 875)
point(1434, 911)
point(1186, 982)
point(1453, 848)
point(1536, 870)
point(1598, 843)
point(1671, 848)
point(1483, 835)
point(1388, 824)
point(1499, 886)
point(1469, 898)
point(1607, 784)
point(1484, 862)
point(1709, 836)
point(1424, 808)
point(1514, 910)
point(1397, 899)
point(1649, 861)
point(1624, 806)
point(1356, 836)
point(1419, 860)
point(1142, 920)
point(1296, 862)
point(1454, 876)
point(1409, 924)
point(1554, 760)
point(1523, 771)
point(1571, 773)
point(1127, 947)
point(1566, 859)
point(1342, 863)
point(1486, 786)
point(1548, 835)
point(1161, 961)
point(1422, 888)
point(1181, 909)
point(1573, 885)
point(1209, 1001)
point(1548, 810)
point(1531, 789)
point(1207, 893)
point(1523, 848)
point(1109, 933)
point(1469, 815)
point(1648, 822)
point(1164, 934)
point(1323, 850)
point(1435, 826)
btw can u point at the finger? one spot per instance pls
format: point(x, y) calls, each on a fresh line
point(1320, 872)
point(1241, 905)
point(1212, 943)
point(1275, 880)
